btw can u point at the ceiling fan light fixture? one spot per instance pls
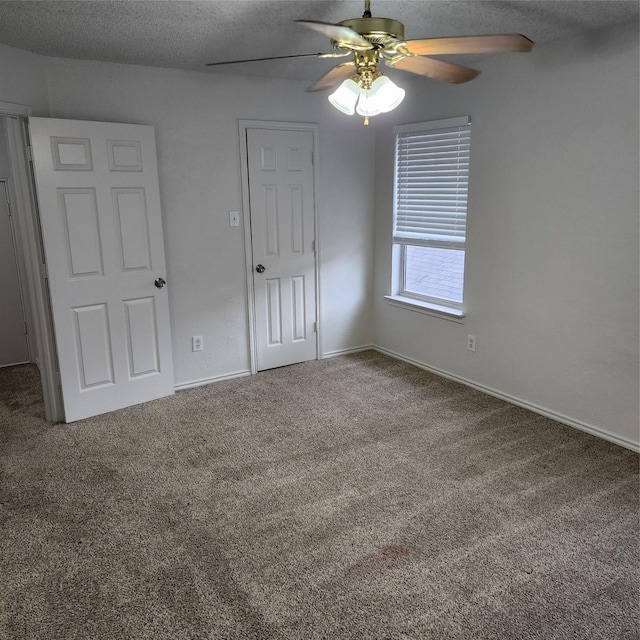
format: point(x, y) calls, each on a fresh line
point(367, 98)
point(344, 98)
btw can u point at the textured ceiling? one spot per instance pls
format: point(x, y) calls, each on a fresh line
point(186, 35)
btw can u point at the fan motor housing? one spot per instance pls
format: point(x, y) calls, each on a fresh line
point(376, 30)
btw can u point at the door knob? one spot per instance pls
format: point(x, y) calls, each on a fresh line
point(260, 268)
point(159, 283)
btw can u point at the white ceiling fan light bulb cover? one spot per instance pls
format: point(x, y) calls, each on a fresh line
point(367, 105)
point(387, 94)
point(384, 96)
point(344, 98)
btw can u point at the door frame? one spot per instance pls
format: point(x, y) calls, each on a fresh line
point(243, 125)
point(37, 304)
point(6, 184)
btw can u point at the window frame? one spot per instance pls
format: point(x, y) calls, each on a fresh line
point(400, 295)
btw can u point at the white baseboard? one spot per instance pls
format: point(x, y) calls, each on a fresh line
point(14, 364)
point(344, 352)
point(202, 381)
point(576, 424)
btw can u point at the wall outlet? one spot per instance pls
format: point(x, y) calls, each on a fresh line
point(234, 218)
point(471, 342)
point(196, 343)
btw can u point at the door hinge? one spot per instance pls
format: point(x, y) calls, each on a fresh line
point(29, 153)
point(26, 331)
point(313, 158)
point(315, 327)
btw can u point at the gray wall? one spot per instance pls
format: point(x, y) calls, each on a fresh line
point(552, 261)
point(23, 80)
point(196, 119)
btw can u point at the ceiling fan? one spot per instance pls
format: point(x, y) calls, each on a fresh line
point(370, 40)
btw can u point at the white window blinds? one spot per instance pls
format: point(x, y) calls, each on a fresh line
point(431, 183)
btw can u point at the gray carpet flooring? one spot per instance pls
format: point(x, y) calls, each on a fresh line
point(351, 498)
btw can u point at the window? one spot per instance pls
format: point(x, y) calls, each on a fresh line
point(430, 212)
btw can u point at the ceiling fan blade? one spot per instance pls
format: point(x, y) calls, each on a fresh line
point(302, 55)
point(334, 77)
point(437, 69)
point(338, 33)
point(502, 43)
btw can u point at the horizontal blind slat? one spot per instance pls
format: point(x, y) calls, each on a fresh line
point(431, 186)
point(436, 218)
point(423, 241)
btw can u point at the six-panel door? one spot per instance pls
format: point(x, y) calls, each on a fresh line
point(280, 167)
point(99, 202)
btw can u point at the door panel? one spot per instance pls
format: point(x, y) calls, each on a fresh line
point(274, 318)
point(93, 346)
point(142, 340)
point(133, 228)
point(82, 232)
point(281, 193)
point(99, 204)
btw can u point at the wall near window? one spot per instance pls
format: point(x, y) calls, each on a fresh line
point(552, 243)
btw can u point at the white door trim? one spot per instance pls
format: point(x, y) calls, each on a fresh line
point(243, 125)
point(37, 308)
point(5, 184)
point(11, 109)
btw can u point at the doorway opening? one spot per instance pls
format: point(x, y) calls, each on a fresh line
point(29, 256)
point(14, 343)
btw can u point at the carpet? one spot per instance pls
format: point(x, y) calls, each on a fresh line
point(357, 497)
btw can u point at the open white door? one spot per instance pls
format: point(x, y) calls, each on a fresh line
point(99, 202)
point(281, 197)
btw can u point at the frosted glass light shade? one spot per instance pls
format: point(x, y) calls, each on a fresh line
point(344, 98)
point(367, 105)
point(385, 94)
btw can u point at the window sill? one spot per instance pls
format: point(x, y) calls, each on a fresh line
point(428, 308)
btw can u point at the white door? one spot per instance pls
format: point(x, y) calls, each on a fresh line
point(281, 197)
point(99, 202)
point(13, 338)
